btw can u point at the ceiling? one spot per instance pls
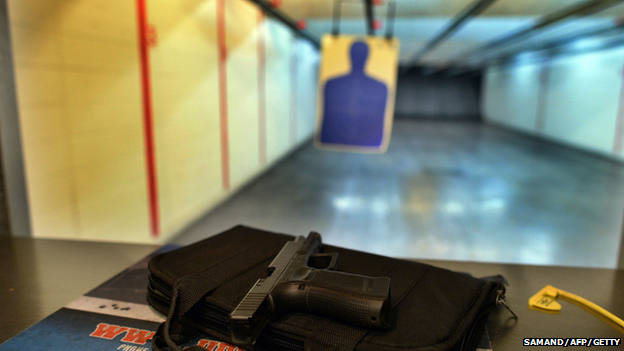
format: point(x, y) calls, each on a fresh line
point(321, 9)
point(419, 21)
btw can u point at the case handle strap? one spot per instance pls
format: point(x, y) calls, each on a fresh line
point(187, 291)
point(190, 289)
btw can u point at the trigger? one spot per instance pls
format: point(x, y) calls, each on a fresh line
point(323, 261)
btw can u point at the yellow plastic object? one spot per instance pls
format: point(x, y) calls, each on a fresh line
point(545, 300)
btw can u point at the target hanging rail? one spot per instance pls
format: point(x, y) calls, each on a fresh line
point(289, 22)
point(370, 16)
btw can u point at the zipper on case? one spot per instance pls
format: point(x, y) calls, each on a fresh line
point(497, 298)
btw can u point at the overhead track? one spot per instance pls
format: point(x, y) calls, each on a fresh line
point(581, 10)
point(369, 14)
point(468, 13)
point(558, 43)
point(390, 20)
point(289, 22)
point(554, 48)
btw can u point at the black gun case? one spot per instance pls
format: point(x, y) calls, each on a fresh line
point(432, 308)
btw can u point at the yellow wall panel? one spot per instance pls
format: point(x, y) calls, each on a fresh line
point(186, 109)
point(104, 117)
point(36, 45)
point(85, 54)
point(103, 217)
point(175, 89)
point(51, 196)
point(43, 123)
point(241, 19)
point(106, 148)
point(55, 212)
point(189, 194)
point(242, 75)
point(307, 87)
point(181, 64)
point(96, 19)
point(38, 87)
point(56, 224)
point(101, 208)
point(92, 182)
point(46, 159)
point(81, 113)
point(278, 53)
point(79, 93)
point(37, 13)
point(98, 87)
point(38, 55)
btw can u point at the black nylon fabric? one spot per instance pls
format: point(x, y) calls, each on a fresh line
point(335, 337)
point(433, 309)
point(189, 289)
point(186, 293)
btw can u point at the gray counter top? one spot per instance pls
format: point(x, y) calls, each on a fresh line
point(37, 277)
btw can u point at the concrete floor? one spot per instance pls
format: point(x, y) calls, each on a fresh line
point(444, 190)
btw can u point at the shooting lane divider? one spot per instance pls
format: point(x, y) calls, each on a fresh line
point(619, 122)
point(148, 117)
point(294, 68)
point(223, 95)
point(542, 98)
point(544, 300)
point(145, 36)
point(262, 131)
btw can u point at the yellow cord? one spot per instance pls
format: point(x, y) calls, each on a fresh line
point(545, 300)
point(591, 305)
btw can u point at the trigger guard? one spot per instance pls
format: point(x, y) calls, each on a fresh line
point(323, 261)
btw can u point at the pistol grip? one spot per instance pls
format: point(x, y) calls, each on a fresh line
point(355, 299)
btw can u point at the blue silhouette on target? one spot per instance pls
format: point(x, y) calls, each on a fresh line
point(355, 105)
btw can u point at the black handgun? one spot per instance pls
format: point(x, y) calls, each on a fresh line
point(300, 279)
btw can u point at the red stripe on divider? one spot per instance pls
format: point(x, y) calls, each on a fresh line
point(293, 91)
point(148, 120)
point(223, 96)
point(262, 132)
point(619, 124)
